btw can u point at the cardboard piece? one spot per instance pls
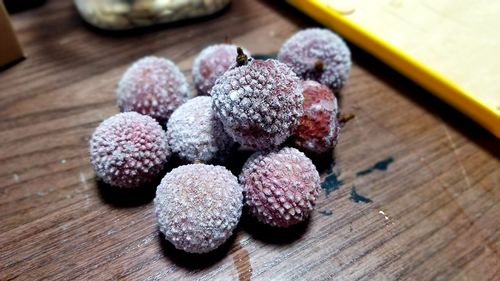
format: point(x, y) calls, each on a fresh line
point(10, 49)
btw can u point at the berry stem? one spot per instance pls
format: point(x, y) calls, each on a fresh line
point(319, 65)
point(344, 117)
point(241, 58)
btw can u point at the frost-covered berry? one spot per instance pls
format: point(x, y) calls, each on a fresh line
point(198, 206)
point(318, 128)
point(280, 187)
point(152, 86)
point(259, 102)
point(318, 54)
point(128, 149)
point(194, 134)
point(210, 64)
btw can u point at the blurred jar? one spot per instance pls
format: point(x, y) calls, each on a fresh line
point(128, 14)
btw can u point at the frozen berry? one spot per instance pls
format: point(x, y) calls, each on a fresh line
point(280, 187)
point(210, 64)
point(128, 149)
point(259, 102)
point(152, 86)
point(194, 134)
point(198, 206)
point(318, 54)
point(318, 128)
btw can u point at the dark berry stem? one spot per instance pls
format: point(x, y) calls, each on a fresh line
point(241, 58)
point(319, 65)
point(344, 117)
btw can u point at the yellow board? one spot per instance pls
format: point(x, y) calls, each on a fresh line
point(450, 47)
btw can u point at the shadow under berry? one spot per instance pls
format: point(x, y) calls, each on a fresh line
point(271, 234)
point(133, 197)
point(324, 162)
point(194, 261)
point(237, 159)
point(126, 197)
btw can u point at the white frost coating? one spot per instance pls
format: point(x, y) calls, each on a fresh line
point(259, 103)
point(198, 206)
point(152, 86)
point(280, 187)
point(128, 149)
point(194, 134)
point(211, 63)
point(306, 47)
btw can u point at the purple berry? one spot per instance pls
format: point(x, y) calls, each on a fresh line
point(128, 149)
point(194, 134)
point(319, 128)
point(152, 86)
point(210, 64)
point(198, 206)
point(258, 102)
point(280, 187)
point(318, 54)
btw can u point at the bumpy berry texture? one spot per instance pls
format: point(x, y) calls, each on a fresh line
point(210, 64)
point(280, 187)
point(319, 127)
point(198, 206)
point(318, 54)
point(259, 103)
point(152, 86)
point(194, 134)
point(128, 149)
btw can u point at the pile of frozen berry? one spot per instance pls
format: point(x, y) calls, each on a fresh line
point(262, 105)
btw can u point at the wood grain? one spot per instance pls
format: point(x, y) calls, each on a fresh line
point(435, 213)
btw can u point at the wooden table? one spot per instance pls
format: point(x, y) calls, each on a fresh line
point(432, 174)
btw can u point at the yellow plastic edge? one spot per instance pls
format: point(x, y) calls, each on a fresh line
point(426, 77)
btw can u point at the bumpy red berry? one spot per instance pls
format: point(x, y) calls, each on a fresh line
point(318, 54)
point(259, 102)
point(198, 206)
point(152, 86)
point(280, 187)
point(319, 127)
point(210, 64)
point(194, 134)
point(128, 149)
